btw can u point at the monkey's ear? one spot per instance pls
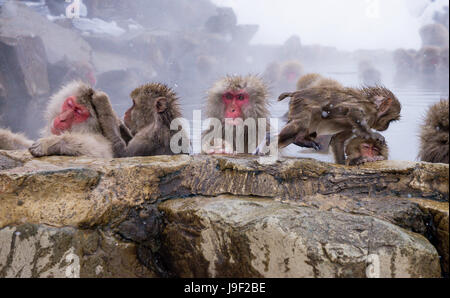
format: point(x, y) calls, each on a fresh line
point(384, 105)
point(161, 104)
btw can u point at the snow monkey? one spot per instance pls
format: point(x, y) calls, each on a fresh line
point(341, 112)
point(434, 134)
point(360, 150)
point(149, 120)
point(312, 80)
point(73, 127)
point(237, 100)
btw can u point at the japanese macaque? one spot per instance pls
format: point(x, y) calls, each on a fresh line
point(360, 150)
point(405, 65)
point(282, 76)
point(315, 80)
point(13, 141)
point(149, 120)
point(235, 100)
point(428, 60)
point(434, 134)
point(434, 35)
point(73, 127)
point(368, 74)
point(341, 112)
point(291, 71)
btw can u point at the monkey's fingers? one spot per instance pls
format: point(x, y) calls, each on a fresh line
point(37, 149)
point(308, 144)
point(101, 104)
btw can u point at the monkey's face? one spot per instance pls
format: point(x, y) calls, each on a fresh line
point(72, 113)
point(235, 102)
point(369, 149)
point(387, 104)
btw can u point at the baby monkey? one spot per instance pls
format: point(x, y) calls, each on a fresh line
point(359, 150)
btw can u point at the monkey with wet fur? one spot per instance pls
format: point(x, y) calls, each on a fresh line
point(234, 100)
point(315, 80)
point(13, 141)
point(73, 127)
point(341, 112)
point(360, 150)
point(149, 119)
point(434, 134)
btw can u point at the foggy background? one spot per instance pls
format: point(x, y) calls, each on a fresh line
point(117, 45)
point(345, 24)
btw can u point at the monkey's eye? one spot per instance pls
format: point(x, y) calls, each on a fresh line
point(228, 95)
point(78, 111)
point(240, 97)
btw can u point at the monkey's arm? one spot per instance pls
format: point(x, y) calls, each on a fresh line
point(143, 143)
point(125, 133)
point(109, 124)
point(72, 145)
point(12, 141)
point(358, 120)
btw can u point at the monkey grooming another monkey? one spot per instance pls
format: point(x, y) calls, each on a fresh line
point(154, 107)
point(73, 127)
point(13, 141)
point(434, 134)
point(232, 99)
point(360, 150)
point(341, 112)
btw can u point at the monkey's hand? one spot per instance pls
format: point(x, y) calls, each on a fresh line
point(38, 149)
point(222, 147)
point(47, 146)
point(369, 159)
point(105, 113)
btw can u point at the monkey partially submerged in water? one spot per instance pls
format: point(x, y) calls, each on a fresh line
point(341, 112)
point(434, 134)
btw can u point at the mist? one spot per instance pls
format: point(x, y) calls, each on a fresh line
point(346, 24)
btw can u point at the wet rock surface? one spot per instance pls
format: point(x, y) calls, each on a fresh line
point(208, 216)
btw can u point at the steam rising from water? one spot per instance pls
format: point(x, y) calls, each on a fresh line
point(345, 24)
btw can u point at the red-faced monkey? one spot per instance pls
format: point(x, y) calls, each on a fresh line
point(73, 127)
point(234, 100)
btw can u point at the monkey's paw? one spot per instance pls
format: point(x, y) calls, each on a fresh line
point(370, 159)
point(102, 104)
point(309, 144)
point(37, 149)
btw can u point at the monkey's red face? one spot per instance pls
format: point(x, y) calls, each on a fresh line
point(291, 76)
point(234, 102)
point(71, 113)
point(369, 150)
